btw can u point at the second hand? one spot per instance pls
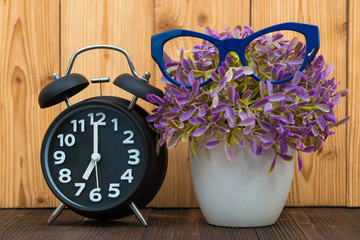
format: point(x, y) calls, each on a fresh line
point(96, 151)
point(96, 174)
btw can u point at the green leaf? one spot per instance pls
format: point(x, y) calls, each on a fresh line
point(183, 137)
point(262, 87)
point(241, 88)
point(323, 107)
point(193, 148)
point(173, 141)
point(241, 103)
point(230, 139)
point(229, 75)
point(307, 108)
point(255, 92)
point(236, 130)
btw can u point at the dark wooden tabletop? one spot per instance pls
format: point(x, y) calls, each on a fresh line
point(294, 223)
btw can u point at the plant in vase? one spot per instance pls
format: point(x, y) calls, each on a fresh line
point(264, 99)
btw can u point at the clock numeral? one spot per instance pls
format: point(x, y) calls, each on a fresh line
point(75, 124)
point(69, 140)
point(95, 195)
point(127, 176)
point(59, 157)
point(65, 175)
point(114, 190)
point(129, 139)
point(134, 156)
point(101, 121)
point(81, 187)
point(116, 123)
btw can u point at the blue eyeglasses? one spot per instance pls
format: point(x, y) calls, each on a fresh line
point(274, 54)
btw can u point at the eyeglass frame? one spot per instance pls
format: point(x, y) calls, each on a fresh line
point(238, 45)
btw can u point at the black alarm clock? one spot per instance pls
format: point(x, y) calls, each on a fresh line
point(99, 156)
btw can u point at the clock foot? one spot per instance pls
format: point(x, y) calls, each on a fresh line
point(56, 213)
point(138, 214)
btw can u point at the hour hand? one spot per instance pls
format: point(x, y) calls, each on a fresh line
point(89, 170)
point(94, 158)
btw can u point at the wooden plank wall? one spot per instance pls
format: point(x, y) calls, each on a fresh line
point(353, 131)
point(37, 38)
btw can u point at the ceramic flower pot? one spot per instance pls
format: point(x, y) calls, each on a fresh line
point(241, 193)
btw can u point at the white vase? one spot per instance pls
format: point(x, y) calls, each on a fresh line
point(240, 193)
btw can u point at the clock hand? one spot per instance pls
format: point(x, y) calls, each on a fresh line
point(89, 169)
point(96, 175)
point(95, 140)
point(95, 156)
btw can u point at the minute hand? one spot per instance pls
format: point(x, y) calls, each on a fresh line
point(95, 156)
point(95, 140)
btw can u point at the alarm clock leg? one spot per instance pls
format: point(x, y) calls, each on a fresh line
point(138, 214)
point(56, 213)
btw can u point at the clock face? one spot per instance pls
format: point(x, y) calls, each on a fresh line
point(95, 156)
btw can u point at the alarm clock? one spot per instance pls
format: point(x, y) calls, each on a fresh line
point(99, 156)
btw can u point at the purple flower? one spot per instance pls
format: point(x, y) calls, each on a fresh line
point(195, 87)
point(247, 121)
point(323, 107)
point(265, 125)
point(254, 147)
point(268, 108)
point(261, 103)
point(188, 114)
point(247, 94)
point(152, 118)
point(200, 131)
point(170, 115)
point(230, 92)
point(230, 113)
point(222, 82)
point(229, 152)
point(283, 147)
point(219, 108)
point(235, 109)
point(296, 79)
point(272, 166)
point(283, 134)
point(215, 118)
point(300, 164)
point(277, 97)
point(239, 73)
point(212, 144)
point(266, 139)
point(222, 71)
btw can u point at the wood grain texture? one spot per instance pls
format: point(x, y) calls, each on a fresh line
point(38, 38)
point(353, 130)
point(323, 179)
point(177, 189)
point(126, 24)
point(29, 53)
point(293, 223)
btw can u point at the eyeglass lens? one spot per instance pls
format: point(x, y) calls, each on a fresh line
point(276, 56)
point(273, 57)
point(185, 54)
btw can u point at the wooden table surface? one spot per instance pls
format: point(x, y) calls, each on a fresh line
point(294, 223)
